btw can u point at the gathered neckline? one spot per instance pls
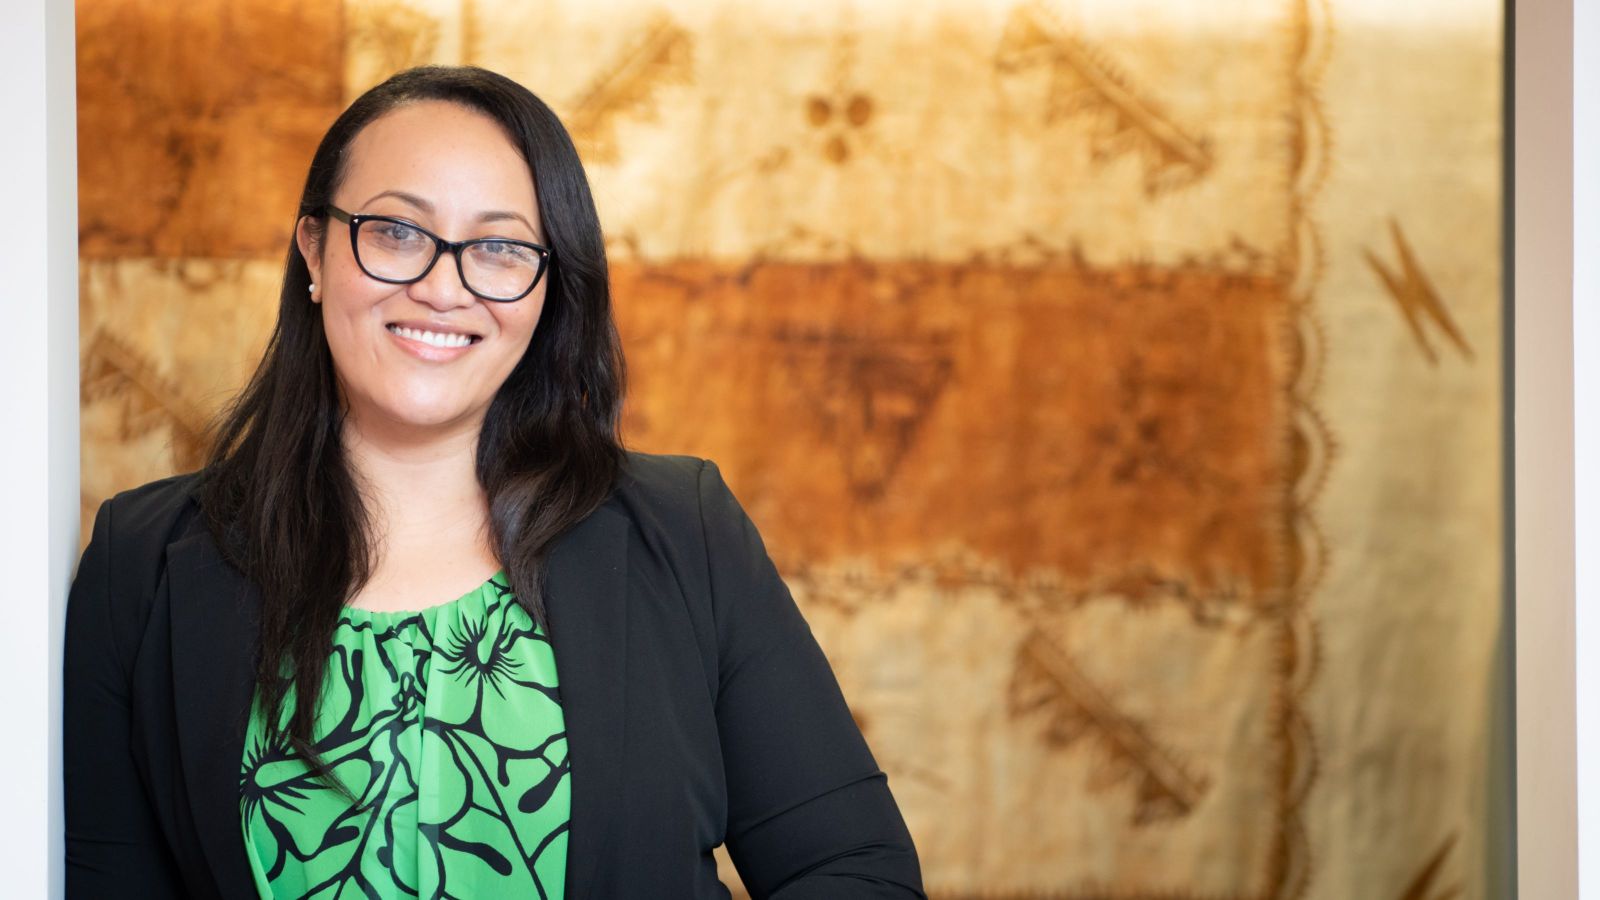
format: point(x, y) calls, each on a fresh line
point(362, 614)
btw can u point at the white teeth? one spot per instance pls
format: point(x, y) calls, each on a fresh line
point(432, 338)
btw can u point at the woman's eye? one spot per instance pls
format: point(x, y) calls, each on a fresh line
point(396, 233)
point(503, 253)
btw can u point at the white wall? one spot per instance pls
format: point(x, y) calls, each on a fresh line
point(1586, 429)
point(39, 406)
point(1557, 516)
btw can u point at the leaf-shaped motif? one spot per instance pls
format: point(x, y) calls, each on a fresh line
point(538, 795)
point(492, 857)
point(341, 834)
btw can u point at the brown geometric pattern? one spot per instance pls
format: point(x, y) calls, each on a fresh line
point(180, 105)
point(850, 390)
point(1053, 345)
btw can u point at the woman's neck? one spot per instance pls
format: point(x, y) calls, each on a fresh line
point(421, 488)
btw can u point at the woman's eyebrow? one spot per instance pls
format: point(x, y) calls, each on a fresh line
point(403, 197)
point(500, 215)
point(494, 215)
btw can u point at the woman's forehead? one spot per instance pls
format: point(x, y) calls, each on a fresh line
point(441, 154)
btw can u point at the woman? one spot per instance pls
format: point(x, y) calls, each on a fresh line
point(533, 664)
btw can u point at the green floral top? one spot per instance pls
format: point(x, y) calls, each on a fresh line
point(446, 723)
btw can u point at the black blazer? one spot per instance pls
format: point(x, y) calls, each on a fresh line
point(699, 708)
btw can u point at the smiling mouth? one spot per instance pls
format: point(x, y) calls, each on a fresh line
point(434, 338)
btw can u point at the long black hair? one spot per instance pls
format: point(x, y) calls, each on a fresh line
point(276, 489)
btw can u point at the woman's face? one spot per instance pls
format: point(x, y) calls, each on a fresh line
point(453, 171)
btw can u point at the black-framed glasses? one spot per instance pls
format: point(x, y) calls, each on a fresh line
point(399, 252)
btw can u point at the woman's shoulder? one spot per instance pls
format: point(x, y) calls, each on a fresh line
point(675, 489)
point(142, 520)
point(659, 473)
point(161, 499)
point(120, 569)
point(659, 488)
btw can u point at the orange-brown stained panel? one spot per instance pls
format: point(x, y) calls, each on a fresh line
point(1104, 423)
point(197, 120)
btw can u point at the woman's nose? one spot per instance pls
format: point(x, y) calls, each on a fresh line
point(442, 288)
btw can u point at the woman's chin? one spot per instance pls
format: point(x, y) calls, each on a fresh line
point(424, 416)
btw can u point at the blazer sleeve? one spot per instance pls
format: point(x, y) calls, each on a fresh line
point(114, 846)
point(809, 812)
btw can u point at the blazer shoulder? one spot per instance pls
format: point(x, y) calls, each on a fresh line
point(149, 516)
point(661, 487)
point(117, 575)
point(656, 471)
point(679, 492)
point(137, 524)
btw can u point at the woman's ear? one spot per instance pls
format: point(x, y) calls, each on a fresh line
point(307, 236)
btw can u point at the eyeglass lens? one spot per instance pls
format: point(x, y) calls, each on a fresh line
point(494, 268)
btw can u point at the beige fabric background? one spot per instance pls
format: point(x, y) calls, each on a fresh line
point(1115, 383)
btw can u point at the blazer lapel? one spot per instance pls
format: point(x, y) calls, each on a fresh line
point(216, 626)
point(586, 599)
